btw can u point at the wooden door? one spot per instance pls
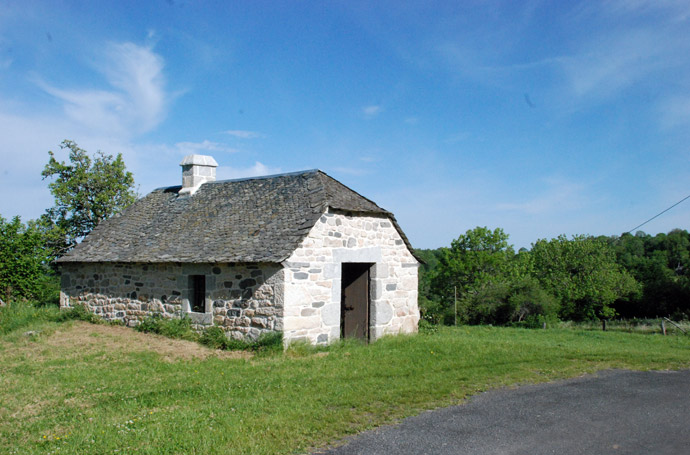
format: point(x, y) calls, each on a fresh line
point(355, 301)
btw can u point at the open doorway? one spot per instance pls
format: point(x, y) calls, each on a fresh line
point(354, 300)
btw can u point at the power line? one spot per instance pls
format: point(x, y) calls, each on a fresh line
point(658, 214)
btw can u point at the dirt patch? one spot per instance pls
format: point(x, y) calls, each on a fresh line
point(90, 338)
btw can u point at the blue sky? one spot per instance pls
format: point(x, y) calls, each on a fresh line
point(543, 118)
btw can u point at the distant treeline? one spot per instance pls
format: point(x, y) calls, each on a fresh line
point(480, 279)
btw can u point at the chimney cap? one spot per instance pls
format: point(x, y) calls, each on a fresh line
point(199, 160)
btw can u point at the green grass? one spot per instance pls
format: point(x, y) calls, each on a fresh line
point(214, 337)
point(648, 326)
point(19, 315)
point(70, 399)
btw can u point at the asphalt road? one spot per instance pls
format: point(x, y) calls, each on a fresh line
point(612, 412)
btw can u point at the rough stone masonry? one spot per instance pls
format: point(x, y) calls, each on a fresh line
point(250, 256)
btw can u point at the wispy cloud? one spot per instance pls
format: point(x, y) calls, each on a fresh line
point(457, 137)
point(616, 62)
point(371, 111)
point(557, 195)
point(259, 169)
point(355, 171)
point(189, 148)
point(108, 115)
point(243, 134)
point(613, 48)
point(135, 101)
point(678, 9)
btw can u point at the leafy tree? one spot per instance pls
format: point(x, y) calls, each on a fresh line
point(508, 302)
point(476, 260)
point(474, 257)
point(582, 274)
point(87, 190)
point(429, 307)
point(24, 258)
point(661, 263)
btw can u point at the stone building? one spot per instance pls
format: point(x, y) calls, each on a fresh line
point(299, 253)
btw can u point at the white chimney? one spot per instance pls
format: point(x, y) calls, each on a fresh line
point(197, 170)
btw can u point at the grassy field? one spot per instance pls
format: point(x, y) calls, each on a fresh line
point(80, 388)
point(648, 326)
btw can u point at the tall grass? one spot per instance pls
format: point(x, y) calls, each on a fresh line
point(22, 314)
point(178, 328)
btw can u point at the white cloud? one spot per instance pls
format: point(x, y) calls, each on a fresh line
point(259, 169)
point(615, 62)
point(557, 195)
point(243, 134)
point(190, 148)
point(371, 111)
point(108, 118)
point(134, 103)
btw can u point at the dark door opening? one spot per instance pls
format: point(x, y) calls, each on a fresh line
point(354, 301)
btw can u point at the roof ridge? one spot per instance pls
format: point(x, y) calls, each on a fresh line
point(244, 179)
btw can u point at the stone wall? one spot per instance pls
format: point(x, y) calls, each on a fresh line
point(300, 297)
point(313, 278)
point(244, 299)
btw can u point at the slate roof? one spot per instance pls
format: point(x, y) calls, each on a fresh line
point(261, 219)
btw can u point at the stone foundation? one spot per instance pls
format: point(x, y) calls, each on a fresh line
point(243, 299)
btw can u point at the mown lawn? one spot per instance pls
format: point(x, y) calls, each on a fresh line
point(80, 388)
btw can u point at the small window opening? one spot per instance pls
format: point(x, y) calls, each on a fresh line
point(197, 283)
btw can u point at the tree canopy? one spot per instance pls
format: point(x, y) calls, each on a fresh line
point(87, 190)
point(583, 275)
point(24, 259)
point(574, 279)
point(475, 257)
point(661, 263)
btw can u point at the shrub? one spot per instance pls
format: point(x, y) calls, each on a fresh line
point(23, 260)
point(427, 327)
point(216, 338)
point(179, 328)
point(78, 313)
point(435, 313)
point(150, 324)
point(512, 303)
point(268, 342)
point(48, 290)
